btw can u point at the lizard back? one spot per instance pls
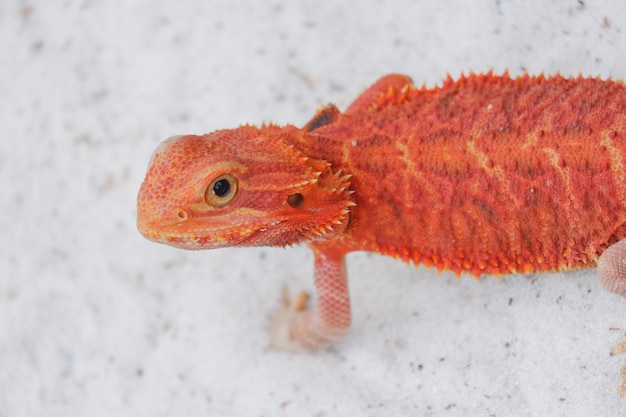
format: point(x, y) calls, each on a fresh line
point(487, 173)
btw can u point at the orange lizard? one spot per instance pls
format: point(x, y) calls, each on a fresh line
point(485, 175)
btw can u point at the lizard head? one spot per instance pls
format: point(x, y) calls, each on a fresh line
point(240, 187)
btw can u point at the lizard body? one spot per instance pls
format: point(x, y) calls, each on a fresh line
point(484, 175)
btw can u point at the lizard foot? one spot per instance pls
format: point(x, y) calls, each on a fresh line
point(296, 328)
point(279, 328)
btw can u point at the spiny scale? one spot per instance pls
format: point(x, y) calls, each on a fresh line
point(482, 218)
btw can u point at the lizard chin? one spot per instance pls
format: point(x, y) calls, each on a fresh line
point(205, 236)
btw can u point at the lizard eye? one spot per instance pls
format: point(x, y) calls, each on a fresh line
point(221, 191)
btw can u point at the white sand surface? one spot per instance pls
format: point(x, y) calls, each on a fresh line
point(97, 321)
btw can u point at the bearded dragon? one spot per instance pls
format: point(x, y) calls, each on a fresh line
point(482, 175)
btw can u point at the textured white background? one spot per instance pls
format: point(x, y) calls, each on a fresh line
point(97, 321)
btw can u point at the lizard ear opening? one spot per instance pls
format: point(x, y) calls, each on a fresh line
point(221, 191)
point(295, 200)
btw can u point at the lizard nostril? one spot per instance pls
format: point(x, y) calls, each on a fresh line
point(181, 215)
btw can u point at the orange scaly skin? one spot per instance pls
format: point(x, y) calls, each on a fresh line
point(485, 175)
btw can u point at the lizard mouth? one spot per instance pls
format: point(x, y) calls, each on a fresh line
point(203, 237)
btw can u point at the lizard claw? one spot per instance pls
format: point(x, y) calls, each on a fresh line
point(279, 328)
point(297, 303)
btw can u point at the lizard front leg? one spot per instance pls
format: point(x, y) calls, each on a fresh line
point(295, 328)
point(612, 268)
